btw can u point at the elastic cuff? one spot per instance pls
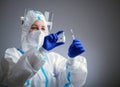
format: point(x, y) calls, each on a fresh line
point(42, 50)
point(73, 64)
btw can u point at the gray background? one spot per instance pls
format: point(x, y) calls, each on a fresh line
point(95, 22)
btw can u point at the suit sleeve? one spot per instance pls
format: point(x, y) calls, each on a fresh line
point(23, 68)
point(70, 73)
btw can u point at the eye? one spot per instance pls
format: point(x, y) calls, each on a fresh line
point(34, 28)
point(43, 29)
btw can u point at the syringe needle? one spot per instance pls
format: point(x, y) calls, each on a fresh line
point(73, 36)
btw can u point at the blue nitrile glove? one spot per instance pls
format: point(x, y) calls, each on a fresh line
point(50, 41)
point(75, 49)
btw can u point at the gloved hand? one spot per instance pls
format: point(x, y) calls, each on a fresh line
point(50, 41)
point(75, 49)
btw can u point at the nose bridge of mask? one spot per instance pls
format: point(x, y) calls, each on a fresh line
point(33, 36)
point(38, 36)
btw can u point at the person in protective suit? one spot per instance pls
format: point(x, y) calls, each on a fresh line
point(33, 65)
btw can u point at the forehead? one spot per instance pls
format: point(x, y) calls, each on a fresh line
point(40, 23)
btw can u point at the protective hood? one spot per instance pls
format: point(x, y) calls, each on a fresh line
point(29, 18)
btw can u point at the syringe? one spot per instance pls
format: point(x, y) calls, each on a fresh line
point(73, 36)
point(71, 60)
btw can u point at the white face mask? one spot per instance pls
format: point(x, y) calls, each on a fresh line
point(34, 39)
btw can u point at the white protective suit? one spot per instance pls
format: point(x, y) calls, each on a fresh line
point(40, 68)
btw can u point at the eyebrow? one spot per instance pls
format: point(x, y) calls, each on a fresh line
point(43, 26)
point(37, 26)
point(34, 25)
